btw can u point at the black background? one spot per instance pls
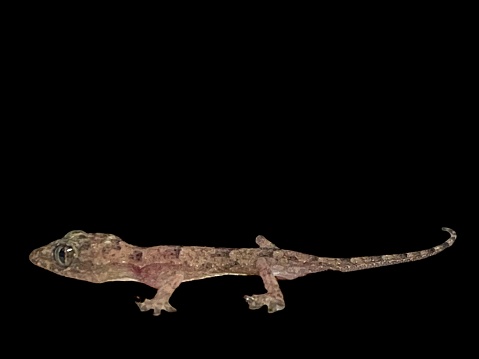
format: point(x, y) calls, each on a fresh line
point(330, 141)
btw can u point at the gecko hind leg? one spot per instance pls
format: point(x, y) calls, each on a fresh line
point(273, 298)
point(167, 285)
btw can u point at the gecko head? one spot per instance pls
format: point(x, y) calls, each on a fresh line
point(77, 255)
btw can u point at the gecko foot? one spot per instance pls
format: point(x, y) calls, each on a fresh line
point(256, 301)
point(156, 305)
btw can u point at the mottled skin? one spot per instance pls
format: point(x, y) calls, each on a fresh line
point(99, 257)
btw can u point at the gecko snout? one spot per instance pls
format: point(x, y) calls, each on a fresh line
point(33, 256)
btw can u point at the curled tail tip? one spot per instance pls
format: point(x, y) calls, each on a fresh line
point(445, 229)
point(451, 232)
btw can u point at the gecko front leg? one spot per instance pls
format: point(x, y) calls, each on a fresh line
point(273, 298)
point(166, 283)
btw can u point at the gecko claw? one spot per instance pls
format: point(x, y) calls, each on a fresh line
point(156, 306)
point(273, 303)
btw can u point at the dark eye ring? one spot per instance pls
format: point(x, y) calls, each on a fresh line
point(63, 255)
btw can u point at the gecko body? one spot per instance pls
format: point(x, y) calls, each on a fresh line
point(99, 258)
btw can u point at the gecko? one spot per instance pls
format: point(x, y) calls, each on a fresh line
point(100, 257)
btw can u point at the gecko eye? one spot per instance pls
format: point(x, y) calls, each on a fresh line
point(63, 255)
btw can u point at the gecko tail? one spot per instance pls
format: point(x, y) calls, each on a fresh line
point(359, 263)
point(452, 238)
